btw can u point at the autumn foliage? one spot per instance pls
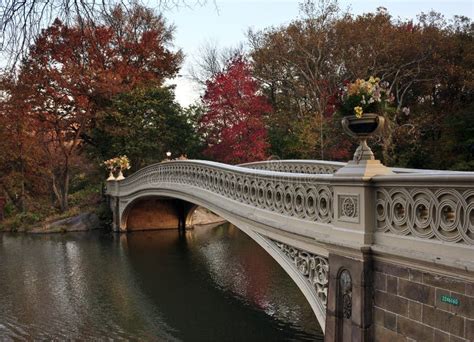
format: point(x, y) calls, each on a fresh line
point(72, 73)
point(232, 125)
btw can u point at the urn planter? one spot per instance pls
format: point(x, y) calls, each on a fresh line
point(120, 176)
point(363, 128)
point(111, 176)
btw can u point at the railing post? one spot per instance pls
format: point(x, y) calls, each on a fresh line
point(349, 310)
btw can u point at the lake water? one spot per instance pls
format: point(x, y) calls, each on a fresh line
point(211, 284)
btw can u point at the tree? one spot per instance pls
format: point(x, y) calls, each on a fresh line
point(296, 66)
point(143, 124)
point(21, 22)
point(232, 125)
point(21, 162)
point(212, 60)
point(303, 66)
point(71, 73)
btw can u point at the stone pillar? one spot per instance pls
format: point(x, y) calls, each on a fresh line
point(114, 206)
point(349, 306)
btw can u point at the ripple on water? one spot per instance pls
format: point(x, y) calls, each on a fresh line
point(213, 284)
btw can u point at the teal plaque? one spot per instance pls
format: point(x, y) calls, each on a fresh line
point(450, 300)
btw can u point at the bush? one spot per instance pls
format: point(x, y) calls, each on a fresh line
point(9, 209)
point(85, 197)
point(105, 215)
point(29, 218)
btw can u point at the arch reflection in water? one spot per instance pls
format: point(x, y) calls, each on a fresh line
point(227, 287)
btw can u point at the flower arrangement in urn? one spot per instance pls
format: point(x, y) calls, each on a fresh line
point(363, 104)
point(365, 97)
point(118, 163)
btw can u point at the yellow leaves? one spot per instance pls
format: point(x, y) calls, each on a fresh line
point(121, 162)
point(362, 86)
point(374, 80)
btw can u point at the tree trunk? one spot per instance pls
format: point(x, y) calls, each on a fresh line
point(61, 189)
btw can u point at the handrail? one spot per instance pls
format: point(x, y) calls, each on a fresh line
point(322, 166)
point(304, 196)
point(424, 208)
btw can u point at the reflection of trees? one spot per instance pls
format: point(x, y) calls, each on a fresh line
point(221, 257)
point(239, 264)
point(73, 287)
point(86, 286)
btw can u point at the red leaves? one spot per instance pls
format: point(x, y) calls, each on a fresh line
point(233, 124)
point(73, 72)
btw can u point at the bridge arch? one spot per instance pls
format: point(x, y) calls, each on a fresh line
point(156, 212)
point(279, 251)
point(364, 218)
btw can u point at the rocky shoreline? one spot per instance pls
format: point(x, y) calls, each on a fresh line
point(89, 220)
point(79, 223)
point(205, 217)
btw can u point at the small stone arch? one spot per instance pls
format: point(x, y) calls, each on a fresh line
point(155, 213)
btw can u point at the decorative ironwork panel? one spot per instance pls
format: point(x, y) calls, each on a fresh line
point(445, 214)
point(313, 267)
point(307, 197)
point(305, 167)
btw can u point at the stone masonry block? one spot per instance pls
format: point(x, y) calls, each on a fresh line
point(380, 281)
point(382, 334)
point(392, 284)
point(414, 330)
point(417, 292)
point(414, 310)
point(440, 336)
point(415, 275)
point(390, 321)
point(391, 303)
point(391, 269)
point(443, 320)
point(470, 329)
point(446, 283)
point(470, 289)
point(378, 316)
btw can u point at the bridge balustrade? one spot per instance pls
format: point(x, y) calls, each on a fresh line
point(339, 235)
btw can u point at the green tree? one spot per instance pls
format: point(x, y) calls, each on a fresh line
point(428, 63)
point(144, 124)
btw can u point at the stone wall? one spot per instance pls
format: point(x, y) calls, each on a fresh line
point(408, 305)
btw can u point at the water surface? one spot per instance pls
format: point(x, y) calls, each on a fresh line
point(212, 284)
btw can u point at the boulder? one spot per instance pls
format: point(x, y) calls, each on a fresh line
point(78, 223)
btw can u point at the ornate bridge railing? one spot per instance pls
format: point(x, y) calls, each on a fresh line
point(325, 167)
point(304, 196)
point(410, 211)
point(296, 166)
point(329, 225)
point(428, 207)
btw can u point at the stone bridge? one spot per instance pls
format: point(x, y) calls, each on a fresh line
point(380, 254)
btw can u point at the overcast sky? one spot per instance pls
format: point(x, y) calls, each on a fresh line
point(226, 22)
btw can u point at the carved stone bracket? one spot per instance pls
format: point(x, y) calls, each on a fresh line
point(313, 267)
